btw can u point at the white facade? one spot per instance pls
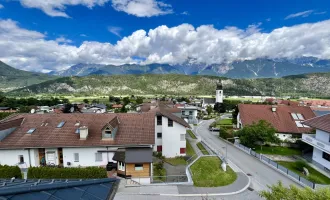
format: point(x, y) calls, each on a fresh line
point(172, 140)
point(189, 113)
point(219, 96)
point(321, 143)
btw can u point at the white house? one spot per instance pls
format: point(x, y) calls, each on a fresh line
point(170, 134)
point(189, 114)
point(78, 139)
point(320, 141)
point(97, 108)
point(287, 120)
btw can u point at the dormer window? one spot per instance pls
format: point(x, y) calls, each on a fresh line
point(61, 124)
point(31, 130)
point(108, 132)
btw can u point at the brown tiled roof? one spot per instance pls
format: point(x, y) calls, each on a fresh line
point(321, 122)
point(281, 119)
point(134, 129)
point(10, 124)
point(174, 110)
point(117, 106)
point(164, 112)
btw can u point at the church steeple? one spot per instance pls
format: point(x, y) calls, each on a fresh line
point(219, 85)
point(219, 93)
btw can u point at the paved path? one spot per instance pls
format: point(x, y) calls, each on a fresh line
point(262, 175)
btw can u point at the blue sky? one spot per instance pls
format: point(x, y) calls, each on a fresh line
point(94, 27)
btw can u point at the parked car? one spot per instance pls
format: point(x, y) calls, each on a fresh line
point(214, 129)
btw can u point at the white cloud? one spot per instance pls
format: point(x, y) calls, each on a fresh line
point(300, 14)
point(83, 35)
point(56, 8)
point(115, 30)
point(63, 40)
point(1, 6)
point(320, 13)
point(31, 50)
point(142, 8)
point(185, 13)
point(269, 19)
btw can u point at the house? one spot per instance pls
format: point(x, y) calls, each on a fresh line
point(96, 108)
point(170, 133)
point(73, 139)
point(115, 106)
point(320, 141)
point(189, 114)
point(6, 109)
point(101, 189)
point(285, 119)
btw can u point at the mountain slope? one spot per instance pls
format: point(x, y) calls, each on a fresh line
point(316, 84)
point(258, 68)
point(11, 78)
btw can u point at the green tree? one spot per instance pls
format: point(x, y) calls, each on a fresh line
point(209, 109)
point(139, 100)
point(86, 101)
point(200, 115)
point(262, 132)
point(279, 192)
point(219, 107)
point(126, 100)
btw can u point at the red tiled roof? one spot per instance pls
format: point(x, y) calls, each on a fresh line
point(174, 110)
point(117, 106)
point(10, 124)
point(134, 129)
point(281, 119)
point(321, 122)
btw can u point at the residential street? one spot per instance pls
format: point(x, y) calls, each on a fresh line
point(262, 175)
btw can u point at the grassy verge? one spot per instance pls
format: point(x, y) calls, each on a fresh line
point(176, 161)
point(189, 150)
point(314, 175)
point(192, 135)
point(284, 151)
point(207, 172)
point(202, 148)
point(225, 122)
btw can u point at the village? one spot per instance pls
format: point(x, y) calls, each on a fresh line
point(171, 143)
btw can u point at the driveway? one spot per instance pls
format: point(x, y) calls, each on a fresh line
point(261, 174)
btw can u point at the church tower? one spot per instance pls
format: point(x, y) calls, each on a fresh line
point(219, 93)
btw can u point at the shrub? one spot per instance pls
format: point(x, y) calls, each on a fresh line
point(300, 164)
point(10, 171)
point(66, 173)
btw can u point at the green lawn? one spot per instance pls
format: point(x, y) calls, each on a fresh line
point(192, 135)
point(314, 175)
point(284, 151)
point(207, 172)
point(189, 150)
point(176, 161)
point(202, 148)
point(225, 122)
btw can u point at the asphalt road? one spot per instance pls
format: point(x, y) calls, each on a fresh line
point(261, 174)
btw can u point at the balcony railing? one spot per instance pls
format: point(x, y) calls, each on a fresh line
point(310, 139)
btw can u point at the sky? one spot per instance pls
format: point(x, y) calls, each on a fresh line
point(45, 35)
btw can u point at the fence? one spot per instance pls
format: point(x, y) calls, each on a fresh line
point(146, 180)
point(277, 166)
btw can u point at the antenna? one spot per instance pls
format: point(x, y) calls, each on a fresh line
point(33, 111)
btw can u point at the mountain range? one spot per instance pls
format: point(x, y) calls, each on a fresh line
point(258, 68)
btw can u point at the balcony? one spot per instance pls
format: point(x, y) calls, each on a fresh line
point(311, 140)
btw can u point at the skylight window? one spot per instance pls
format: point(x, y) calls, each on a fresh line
point(61, 124)
point(294, 116)
point(300, 116)
point(77, 131)
point(299, 124)
point(31, 130)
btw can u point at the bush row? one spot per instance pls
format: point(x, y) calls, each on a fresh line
point(66, 173)
point(10, 171)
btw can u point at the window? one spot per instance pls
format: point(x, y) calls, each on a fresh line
point(98, 157)
point(300, 117)
point(21, 159)
point(31, 130)
point(61, 124)
point(183, 112)
point(159, 135)
point(159, 148)
point(190, 112)
point(326, 156)
point(159, 120)
point(138, 167)
point(298, 123)
point(170, 123)
point(182, 137)
point(76, 157)
point(182, 150)
point(294, 116)
point(121, 166)
point(77, 131)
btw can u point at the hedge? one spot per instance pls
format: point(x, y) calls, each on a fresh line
point(10, 171)
point(66, 173)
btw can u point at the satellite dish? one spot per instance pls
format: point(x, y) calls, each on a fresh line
point(33, 110)
point(72, 109)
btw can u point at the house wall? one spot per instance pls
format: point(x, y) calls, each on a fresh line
point(130, 170)
point(86, 157)
point(219, 96)
point(171, 139)
point(317, 157)
point(322, 136)
point(11, 157)
point(158, 129)
point(34, 157)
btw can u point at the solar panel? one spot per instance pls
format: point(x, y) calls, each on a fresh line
point(31, 130)
point(61, 124)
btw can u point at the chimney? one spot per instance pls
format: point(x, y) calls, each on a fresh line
point(274, 107)
point(83, 132)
